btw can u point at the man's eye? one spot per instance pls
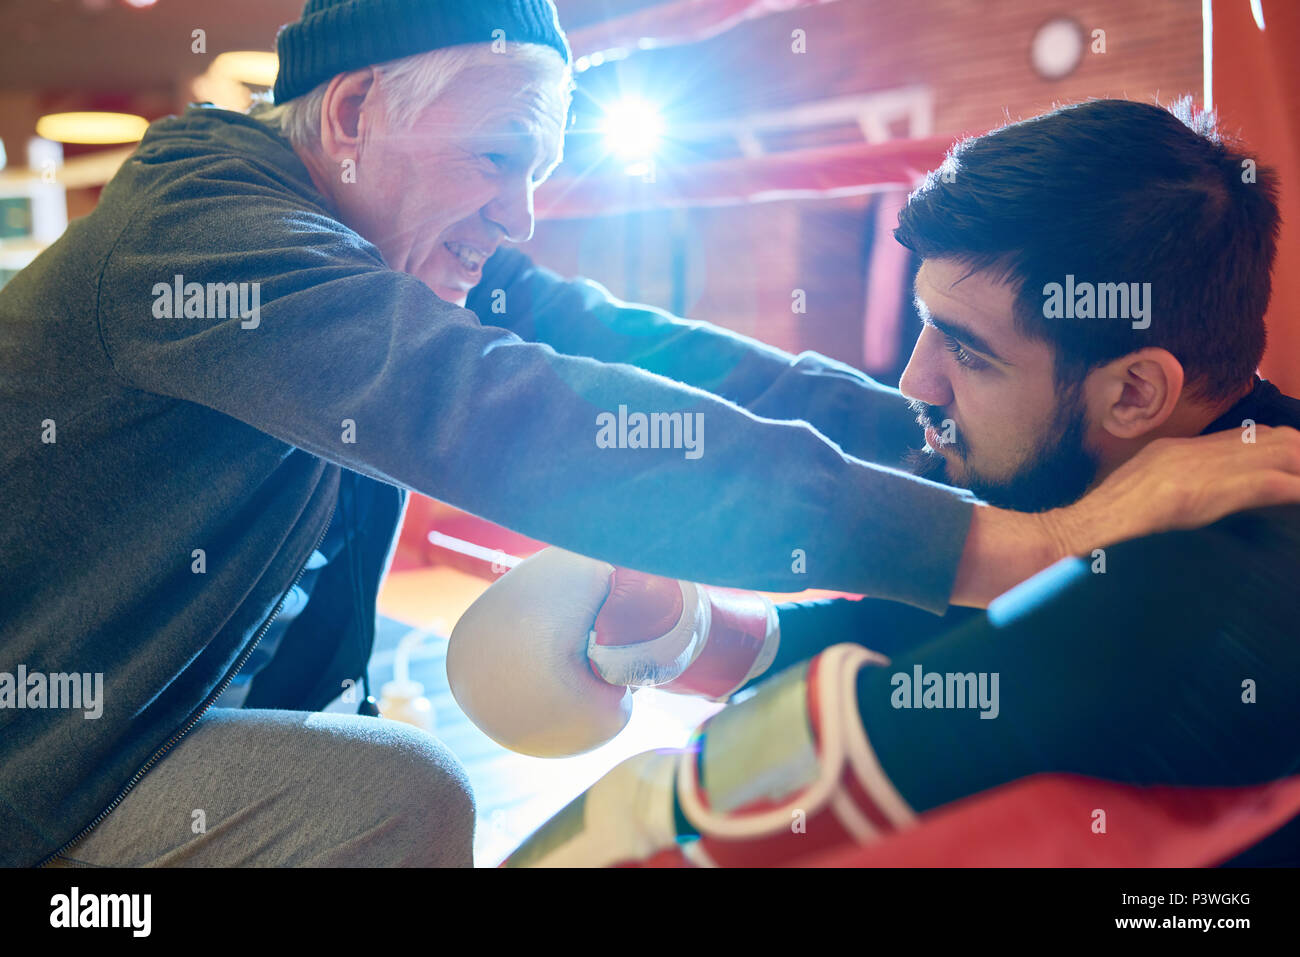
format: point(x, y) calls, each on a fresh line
point(963, 356)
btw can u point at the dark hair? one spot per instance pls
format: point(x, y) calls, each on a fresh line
point(1114, 191)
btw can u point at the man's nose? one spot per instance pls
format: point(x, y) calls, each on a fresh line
point(512, 210)
point(924, 378)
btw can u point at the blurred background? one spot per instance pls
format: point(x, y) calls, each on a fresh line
point(739, 161)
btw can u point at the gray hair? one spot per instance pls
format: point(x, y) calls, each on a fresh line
point(411, 84)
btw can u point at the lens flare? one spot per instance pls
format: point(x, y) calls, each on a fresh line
point(632, 129)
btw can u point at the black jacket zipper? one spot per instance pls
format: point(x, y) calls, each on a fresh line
point(189, 725)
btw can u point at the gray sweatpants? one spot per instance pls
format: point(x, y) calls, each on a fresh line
point(291, 788)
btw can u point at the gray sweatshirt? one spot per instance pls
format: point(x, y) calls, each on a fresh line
point(172, 458)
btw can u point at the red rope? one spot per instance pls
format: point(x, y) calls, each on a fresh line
point(826, 171)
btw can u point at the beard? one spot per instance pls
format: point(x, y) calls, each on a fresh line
point(1058, 471)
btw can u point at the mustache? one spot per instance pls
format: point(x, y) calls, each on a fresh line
point(926, 415)
point(931, 416)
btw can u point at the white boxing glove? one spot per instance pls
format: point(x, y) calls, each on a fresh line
point(545, 660)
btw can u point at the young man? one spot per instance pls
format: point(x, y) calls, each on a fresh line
point(1169, 659)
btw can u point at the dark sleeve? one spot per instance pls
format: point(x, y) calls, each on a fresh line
point(868, 420)
point(888, 627)
point(1177, 665)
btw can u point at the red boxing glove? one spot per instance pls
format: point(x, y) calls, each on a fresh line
point(681, 637)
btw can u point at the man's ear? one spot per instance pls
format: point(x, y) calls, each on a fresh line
point(1135, 394)
point(340, 120)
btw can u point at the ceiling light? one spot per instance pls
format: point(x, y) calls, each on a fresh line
point(91, 127)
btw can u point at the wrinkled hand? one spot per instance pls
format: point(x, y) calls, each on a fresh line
point(1171, 484)
point(1183, 483)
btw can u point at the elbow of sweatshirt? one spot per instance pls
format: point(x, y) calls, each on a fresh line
point(901, 538)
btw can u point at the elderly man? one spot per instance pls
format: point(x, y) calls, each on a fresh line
point(219, 386)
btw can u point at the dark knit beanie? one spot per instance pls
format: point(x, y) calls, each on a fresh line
point(335, 36)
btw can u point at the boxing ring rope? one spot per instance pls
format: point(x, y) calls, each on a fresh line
point(826, 172)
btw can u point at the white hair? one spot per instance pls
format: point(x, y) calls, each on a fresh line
point(413, 83)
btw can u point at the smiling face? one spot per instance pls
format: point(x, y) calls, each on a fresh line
point(996, 420)
point(437, 199)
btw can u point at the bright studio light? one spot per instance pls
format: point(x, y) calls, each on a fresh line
point(632, 129)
